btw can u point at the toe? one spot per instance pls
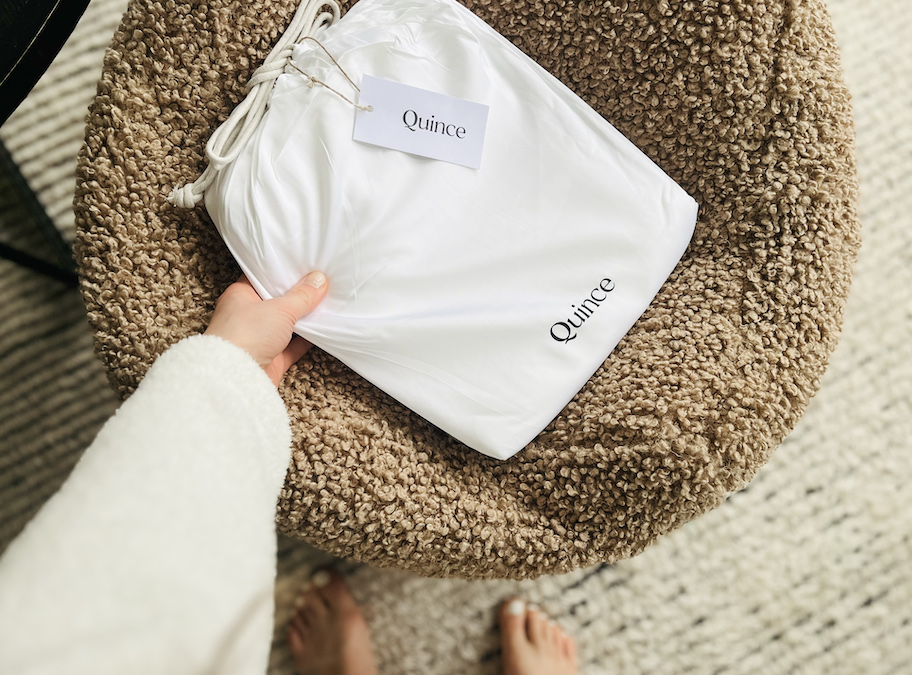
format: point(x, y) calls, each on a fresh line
point(513, 615)
point(514, 641)
point(295, 643)
point(312, 607)
point(537, 627)
point(554, 634)
point(569, 648)
point(513, 623)
point(299, 624)
point(332, 589)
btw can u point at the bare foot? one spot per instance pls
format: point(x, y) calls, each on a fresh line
point(328, 634)
point(533, 645)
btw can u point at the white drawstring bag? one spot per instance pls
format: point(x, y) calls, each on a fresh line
point(481, 298)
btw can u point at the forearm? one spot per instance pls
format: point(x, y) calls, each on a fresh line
point(161, 544)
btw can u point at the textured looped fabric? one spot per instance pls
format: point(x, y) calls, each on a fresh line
point(742, 104)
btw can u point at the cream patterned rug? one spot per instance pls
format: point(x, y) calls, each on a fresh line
point(805, 571)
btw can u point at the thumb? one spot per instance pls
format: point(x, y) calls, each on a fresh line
point(304, 296)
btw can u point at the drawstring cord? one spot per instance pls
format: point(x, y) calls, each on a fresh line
point(226, 142)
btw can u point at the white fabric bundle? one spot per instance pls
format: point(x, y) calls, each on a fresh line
point(483, 299)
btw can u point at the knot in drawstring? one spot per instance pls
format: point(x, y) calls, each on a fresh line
point(226, 142)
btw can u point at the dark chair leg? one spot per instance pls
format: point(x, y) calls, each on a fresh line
point(64, 270)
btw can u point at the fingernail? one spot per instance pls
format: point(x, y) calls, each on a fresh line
point(302, 595)
point(315, 279)
point(516, 607)
point(321, 579)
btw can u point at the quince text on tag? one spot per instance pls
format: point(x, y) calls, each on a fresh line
point(414, 122)
point(420, 122)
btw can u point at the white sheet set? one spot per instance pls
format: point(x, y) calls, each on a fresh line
point(481, 298)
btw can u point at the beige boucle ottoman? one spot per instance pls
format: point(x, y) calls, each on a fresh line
point(741, 102)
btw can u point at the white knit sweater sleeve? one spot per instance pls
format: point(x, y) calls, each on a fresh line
point(158, 553)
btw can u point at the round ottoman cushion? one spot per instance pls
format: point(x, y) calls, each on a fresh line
point(741, 103)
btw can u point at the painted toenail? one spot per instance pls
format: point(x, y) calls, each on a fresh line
point(516, 607)
point(299, 602)
point(321, 579)
point(533, 607)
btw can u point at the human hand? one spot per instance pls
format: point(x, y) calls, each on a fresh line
point(263, 328)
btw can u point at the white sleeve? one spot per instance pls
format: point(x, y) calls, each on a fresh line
point(158, 553)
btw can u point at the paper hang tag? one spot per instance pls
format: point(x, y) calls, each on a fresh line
point(421, 122)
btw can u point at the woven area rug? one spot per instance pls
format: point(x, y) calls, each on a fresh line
point(805, 571)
